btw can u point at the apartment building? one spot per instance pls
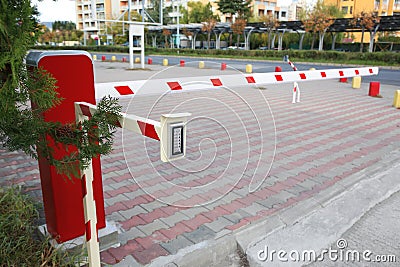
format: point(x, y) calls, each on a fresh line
point(111, 10)
point(352, 7)
point(387, 7)
point(114, 9)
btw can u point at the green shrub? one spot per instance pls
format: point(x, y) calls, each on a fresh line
point(19, 244)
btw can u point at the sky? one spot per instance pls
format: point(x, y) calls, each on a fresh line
point(63, 10)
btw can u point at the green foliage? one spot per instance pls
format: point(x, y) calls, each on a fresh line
point(198, 12)
point(16, 118)
point(18, 244)
point(91, 137)
point(239, 8)
point(23, 127)
point(63, 25)
point(154, 13)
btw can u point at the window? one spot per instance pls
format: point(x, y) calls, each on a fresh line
point(351, 10)
point(345, 9)
point(283, 14)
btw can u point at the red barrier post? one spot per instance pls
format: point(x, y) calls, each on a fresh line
point(278, 69)
point(62, 198)
point(374, 88)
point(182, 63)
point(223, 66)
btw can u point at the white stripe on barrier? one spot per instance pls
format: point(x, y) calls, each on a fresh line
point(160, 86)
point(143, 126)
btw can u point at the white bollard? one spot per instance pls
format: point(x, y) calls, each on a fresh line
point(296, 93)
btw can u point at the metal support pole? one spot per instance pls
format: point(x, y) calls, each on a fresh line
point(130, 47)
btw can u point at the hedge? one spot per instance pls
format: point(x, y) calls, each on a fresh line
point(385, 58)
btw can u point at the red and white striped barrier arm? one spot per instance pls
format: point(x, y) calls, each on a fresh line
point(292, 65)
point(89, 208)
point(143, 126)
point(160, 86)
point(133, 123)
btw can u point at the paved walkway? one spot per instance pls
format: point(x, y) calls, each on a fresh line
point(378, 232)
point(236, 138)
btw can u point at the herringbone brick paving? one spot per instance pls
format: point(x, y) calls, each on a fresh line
point(162, 207)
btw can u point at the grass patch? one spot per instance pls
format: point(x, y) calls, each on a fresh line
point(19, 243)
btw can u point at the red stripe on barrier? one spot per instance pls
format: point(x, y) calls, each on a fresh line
point(250, 79)
point(303, 76)
point(216, 82)
point(85, 110)
point(371, 71)
point(278, 78)
point(84, 192)
point(174, 85)
point(323, 74)
point(357, 72)
point(341, 73)
point(88, 232)
point(124, 90)
point(118, 124)
point(148, 130)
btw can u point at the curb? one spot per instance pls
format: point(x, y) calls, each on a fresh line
point(318, 228)
point(373, 183)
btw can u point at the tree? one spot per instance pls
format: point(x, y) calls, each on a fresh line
point(318, 20)
point(208, 27)
point(367, 21)
point(154, 12)
point(235, 8)
point(23, 127)
point(63, 25)
point(271, 23)
point(197, 12)
point(166, 33)
point(238, 28)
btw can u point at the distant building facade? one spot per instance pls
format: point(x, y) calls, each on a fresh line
point(352, 7)
point(114, 9)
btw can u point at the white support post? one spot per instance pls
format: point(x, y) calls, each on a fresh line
point(130, 46)
point(89, 208)
point(296, 93)
point(136, 30)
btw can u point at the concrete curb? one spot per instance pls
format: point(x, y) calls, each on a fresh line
point(323, 226)
point(302, 226)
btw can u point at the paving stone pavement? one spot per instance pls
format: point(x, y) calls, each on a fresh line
point(376, 232)
point(239, 140)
